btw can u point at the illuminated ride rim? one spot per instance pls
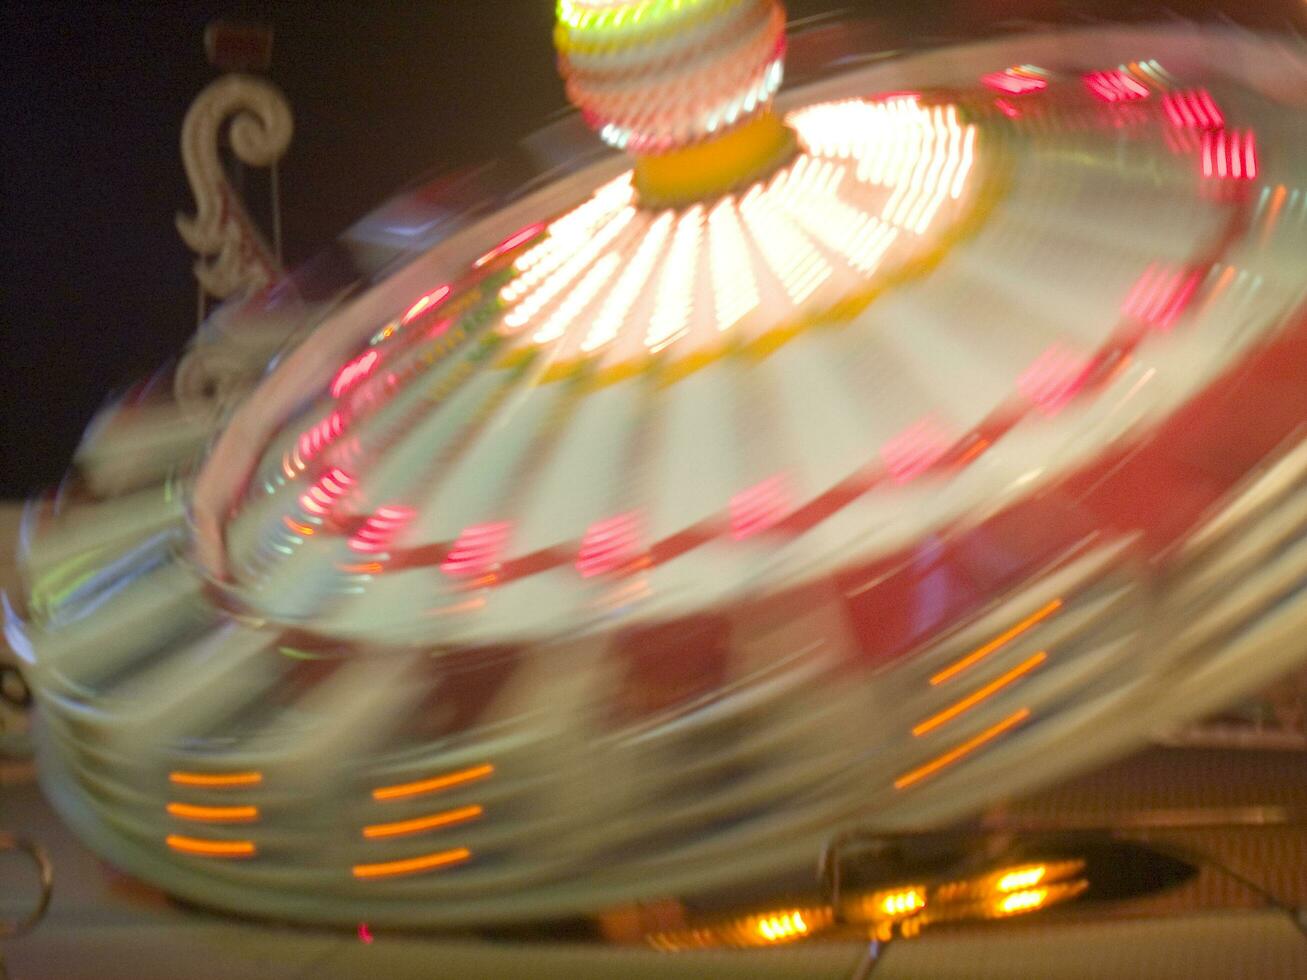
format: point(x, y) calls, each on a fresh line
point(870, 452)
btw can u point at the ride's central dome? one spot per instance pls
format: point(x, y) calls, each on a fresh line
point(686, 86)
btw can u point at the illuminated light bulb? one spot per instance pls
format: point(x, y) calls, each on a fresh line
point(901, 902)
point(376, 533)
point(550, 287)
point(618, 303)
point(578, 299)
point(477, 550)
point(1014, 81)
point(760, 507)
point(1021, 879)
point(915, 450)
point(735, 290)
point(1054, 378)
point(1114, 86)
point(354, 372)
point(428, 301)
point(1023, 901)
point(676, 284)
point(609, 545)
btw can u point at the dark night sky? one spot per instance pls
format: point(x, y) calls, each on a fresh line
point(95, 285)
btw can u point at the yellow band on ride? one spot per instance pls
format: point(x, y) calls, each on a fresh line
point(713, 167)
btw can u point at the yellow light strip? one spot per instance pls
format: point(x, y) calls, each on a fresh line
point(214, 814)
point(971, 700)
point(418, 824)
point(980, 653)
point(402, 791)
point(211, 848)
point(216, 780)
point(408, 866)
point(970, 745)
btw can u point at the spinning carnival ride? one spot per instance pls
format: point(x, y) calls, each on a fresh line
point(865, 452)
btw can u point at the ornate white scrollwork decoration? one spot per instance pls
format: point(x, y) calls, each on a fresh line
point(234, 256)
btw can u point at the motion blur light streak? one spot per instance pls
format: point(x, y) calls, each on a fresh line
point(213, 814)
point(421, 787)
point(1114, 86)
point(403, 828)
point(609, 545)
point(993, 687)
point(981, 652)
point(410, 866)
point(477, 550)
point(1015, 81)
point(216, 780)
point(966, 748)
point(211, 848)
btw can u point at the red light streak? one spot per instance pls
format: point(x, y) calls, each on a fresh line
point(1114, 86)
point(424, 304)
point(321, 434)
point(511, 242)
point(1014, 81)
point(354, 372)
point(1229, 154)
point(1007, 108)
point(609, 544)
point(1193, 109)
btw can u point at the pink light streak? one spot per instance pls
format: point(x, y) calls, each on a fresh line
point(1054, 378)
point(761, 506)
point(379, 530)
point(354, 372)
point(477, 550)
point(609, 545)
point(425, 303)
point(1160, 295)
point(1013, 81)
point(1114, 86)
point(915, 450)
point(1230, 155)
point(1193, 109)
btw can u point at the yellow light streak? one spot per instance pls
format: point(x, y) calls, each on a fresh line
point(971, 700)
point(953, 755)
point(214, 780)
point(421, 787)
point(408, 866)
point(211, 848)
point(980, 653)
point(214, 814)
point(402, 828)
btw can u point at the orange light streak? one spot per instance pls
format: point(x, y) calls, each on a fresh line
point(211, 848)
point(971, 700)
point(408, 866)
point(213, 780)
point(967, 747)
point(980, 653)
point(402, 791)
point(401, 828)
point(214, 814)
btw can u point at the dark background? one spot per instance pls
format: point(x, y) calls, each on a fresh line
point(95, 285)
